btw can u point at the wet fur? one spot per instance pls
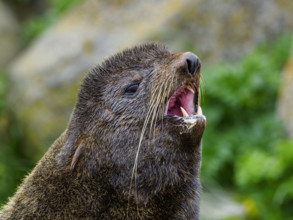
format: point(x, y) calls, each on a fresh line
point(119, 158)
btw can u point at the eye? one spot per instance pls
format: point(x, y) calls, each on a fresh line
point(130, 90)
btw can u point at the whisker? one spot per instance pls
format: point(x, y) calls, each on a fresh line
point(154, 113)
point(134, 170)
point(159, 95)
point(161, 101)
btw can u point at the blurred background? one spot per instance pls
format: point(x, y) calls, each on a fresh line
point(46, 48)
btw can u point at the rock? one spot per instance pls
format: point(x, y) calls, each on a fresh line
point(9, 30)
point(45, 78)
point(226, 29)
point(217, 204)
point(285, 103)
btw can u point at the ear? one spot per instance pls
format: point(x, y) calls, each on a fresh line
point(71, 151)
point(78, 152)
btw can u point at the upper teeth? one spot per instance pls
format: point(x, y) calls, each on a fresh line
point(190, 89)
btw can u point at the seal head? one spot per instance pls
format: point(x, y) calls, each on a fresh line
point(132, 149)
point(139, 118)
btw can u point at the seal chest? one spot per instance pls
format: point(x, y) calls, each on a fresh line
point(132, 149)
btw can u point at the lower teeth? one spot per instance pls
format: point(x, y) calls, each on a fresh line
point(184, 113)
point(199, 111)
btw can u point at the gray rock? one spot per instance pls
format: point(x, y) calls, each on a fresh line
point(9, 30)
point(46, 76)
point(217, 205)
point(226, 29)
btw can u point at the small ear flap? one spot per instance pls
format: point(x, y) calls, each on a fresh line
point(76, 156)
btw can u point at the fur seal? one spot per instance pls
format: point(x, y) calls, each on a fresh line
point(132, 149)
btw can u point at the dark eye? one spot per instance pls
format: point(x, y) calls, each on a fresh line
point(130, 90)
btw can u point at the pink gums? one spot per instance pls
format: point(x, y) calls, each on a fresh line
point(181, 98)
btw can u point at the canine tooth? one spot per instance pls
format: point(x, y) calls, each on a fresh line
point(185, 114)
point(199, 110)
point(190, 89)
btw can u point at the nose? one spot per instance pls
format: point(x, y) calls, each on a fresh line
point(192, 62)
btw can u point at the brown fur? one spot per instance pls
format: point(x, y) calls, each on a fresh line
point(105, 166)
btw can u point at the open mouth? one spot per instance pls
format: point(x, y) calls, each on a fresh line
point(184, 102)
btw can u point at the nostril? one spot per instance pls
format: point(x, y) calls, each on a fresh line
point(188, 63)
point(192, 64)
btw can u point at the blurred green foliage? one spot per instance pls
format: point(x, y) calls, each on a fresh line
point(13, 163)
point(34, 27)
point(245, 147)
point(35, 24)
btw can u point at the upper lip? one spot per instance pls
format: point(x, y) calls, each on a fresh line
point(184, 102)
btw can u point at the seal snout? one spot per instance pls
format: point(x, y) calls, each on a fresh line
point(184, 103)
point(192, 63)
